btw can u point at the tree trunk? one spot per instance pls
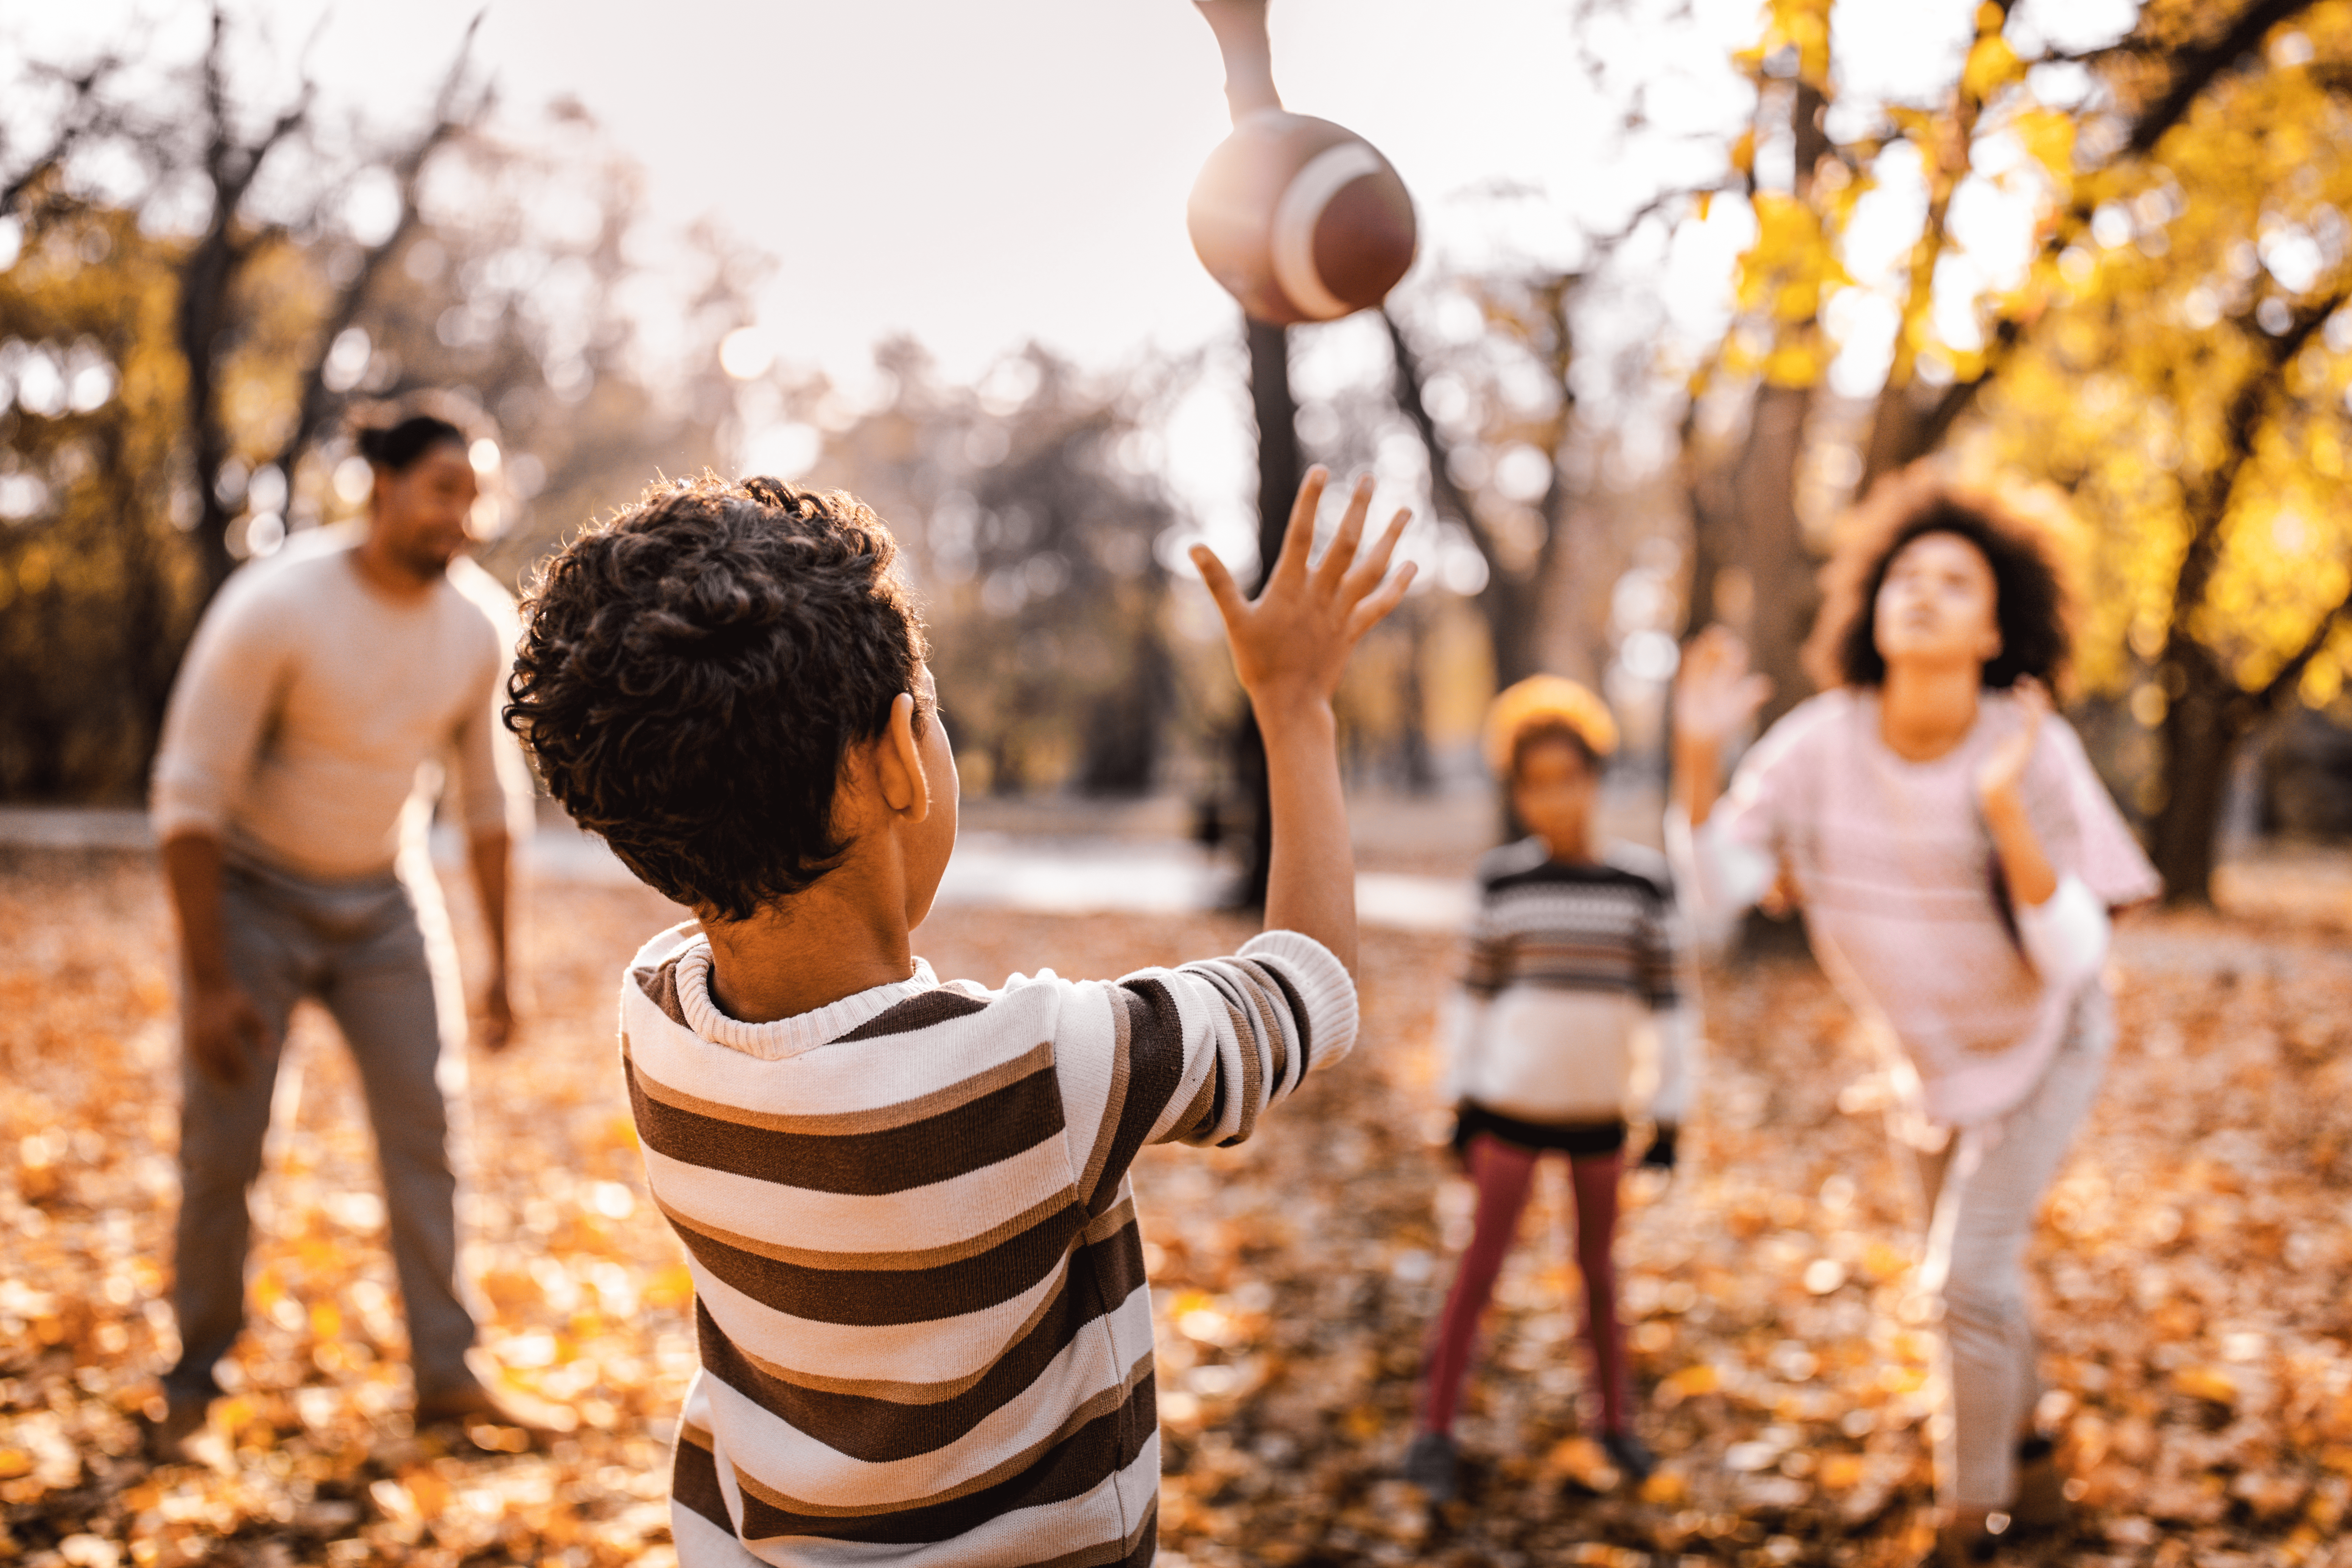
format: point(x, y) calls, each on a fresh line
point(2201, 729)
point(1715, 543)
point(1511, 606)
point(1278, 484)
point(1122, 742)
point(205, 280)
point(1902, 431)
point(1782, 593)
point(1513, 609)
point(1413, 764)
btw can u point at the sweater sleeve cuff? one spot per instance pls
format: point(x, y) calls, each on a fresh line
point(2065, 935)
point(1670, 1101)
point(179, 804)
point(1324, 988)
point(1723, 876)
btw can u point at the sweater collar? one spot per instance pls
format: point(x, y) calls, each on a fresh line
point(782, 1037)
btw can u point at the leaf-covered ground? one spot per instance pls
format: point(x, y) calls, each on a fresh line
point(2193, 1271)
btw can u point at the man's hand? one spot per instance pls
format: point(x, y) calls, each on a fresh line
point(491, 855)
point(497, 1014)
point(223, 1030)
point(220, 1027)
point(1291, 644)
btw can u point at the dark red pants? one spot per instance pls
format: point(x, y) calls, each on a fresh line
point(1504, 1171)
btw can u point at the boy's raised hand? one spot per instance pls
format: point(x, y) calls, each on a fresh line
point(1293, 641)
point(1290, 646)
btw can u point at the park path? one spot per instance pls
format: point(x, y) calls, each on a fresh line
point(1068, 873)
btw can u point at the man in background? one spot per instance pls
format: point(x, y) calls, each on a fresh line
point(292, 789)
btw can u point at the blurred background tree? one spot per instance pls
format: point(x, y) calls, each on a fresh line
point(2163, 354)
point(194, 288)
point(1032, 507)
point(2116, 277)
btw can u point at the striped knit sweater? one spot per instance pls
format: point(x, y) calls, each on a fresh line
point(1571, 973)
point(925, 1331)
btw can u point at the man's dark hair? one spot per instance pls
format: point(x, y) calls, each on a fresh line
point(2029, 602)
point(395, 435)
point(694, 669)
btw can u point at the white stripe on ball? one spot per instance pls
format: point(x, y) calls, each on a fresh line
point(1295, 217)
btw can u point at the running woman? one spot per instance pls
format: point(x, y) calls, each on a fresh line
point(1957, 860)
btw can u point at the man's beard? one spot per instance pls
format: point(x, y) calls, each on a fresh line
point(430, 561)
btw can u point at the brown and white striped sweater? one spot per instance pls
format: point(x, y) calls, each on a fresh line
point(926, 1335)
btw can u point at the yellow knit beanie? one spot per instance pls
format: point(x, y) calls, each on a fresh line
point(1542, 700)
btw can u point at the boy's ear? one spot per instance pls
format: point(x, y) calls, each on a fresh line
point(898, 763)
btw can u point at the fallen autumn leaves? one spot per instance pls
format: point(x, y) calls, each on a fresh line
point(2193, 1271)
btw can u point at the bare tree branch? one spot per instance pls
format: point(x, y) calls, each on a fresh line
point(1512, 601)
point(452, 114)
point(1444, 493)
point(208, 276)
point(2194, 72)
point(87, 114)
point(1555, 293)
point(2197, 69)
point(2210, 499)
point(2265, 696)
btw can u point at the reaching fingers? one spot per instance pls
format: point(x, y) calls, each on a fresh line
point(1700, 657)
point(1299, 533)
point(1342, 551)
point(1716, 660)
point(1220, 582)
point(1725, 651)
point(1369, 612)
point(1371, 565)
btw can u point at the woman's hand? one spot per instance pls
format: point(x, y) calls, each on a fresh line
point(2001, 775)
point(1715, 697)
point(2024, 860)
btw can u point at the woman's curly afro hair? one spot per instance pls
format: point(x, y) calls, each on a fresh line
point(693, 671)
point(2030, 599)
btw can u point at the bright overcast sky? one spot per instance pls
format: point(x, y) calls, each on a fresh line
point(983, 175)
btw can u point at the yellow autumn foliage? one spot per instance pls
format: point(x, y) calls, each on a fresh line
point(2185, 376)
point(2171, 360)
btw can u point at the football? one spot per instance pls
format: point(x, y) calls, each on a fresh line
point(1299, 219)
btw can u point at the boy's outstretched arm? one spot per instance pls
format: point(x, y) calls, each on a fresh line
point(1290, 646)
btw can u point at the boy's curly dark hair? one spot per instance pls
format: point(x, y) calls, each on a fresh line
point(694, 669)
point(2030, 599)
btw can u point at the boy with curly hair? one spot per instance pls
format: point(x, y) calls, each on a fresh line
point(925, 1331)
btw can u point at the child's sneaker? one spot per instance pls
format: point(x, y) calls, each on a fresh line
point(1629, 1454)
point(1434, 1464)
